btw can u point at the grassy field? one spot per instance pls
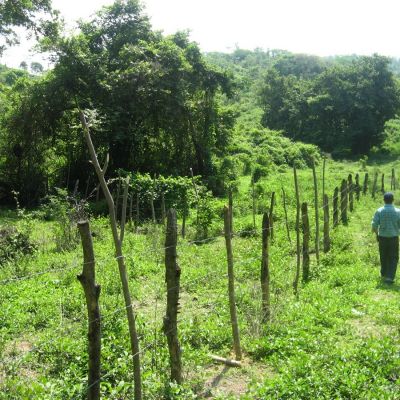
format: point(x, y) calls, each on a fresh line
point(338, 340)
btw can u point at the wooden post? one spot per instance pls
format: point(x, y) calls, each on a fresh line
point(392, 180)
point(343, 202)
point(316, 211)
point(163, 211)
point(230, 205)
point(137, 213)
point(336, 207)
point(297, 276)
point(286, 217)
point(197, 198)
point(271, 216)
point(117, 196)
point(92, 293)
point(323, 177)
point(358, 188)
point(231, 285)
point(306, 242)
point(121, 263)
point(123, 213)
point(153, 211)
point(375, 184)
point(266, 312)
point(131, 207)
point(350, 191)
point(365, 185)
point(172, 275)
point(383, 184)
point(253, 195)
point(327, 240)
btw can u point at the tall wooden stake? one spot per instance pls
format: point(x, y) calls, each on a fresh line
point(253, 195)
point(327, 240)
point(124, 207)
point(343, 202)
point(92, 292)
point(350, 190)
point(336, 207)
point(231, 285)
point(172, 275)
point(358, 188)
point(271, 216)
point(375, 184)
point(298, 261)
point(316, 212)
point(266, 312)
point(230, 205)
point(383, 183)
point(121, 263)
point(286, 216)
point(306, 241)
point(365, 184)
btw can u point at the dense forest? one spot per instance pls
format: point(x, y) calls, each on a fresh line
point(158, 105)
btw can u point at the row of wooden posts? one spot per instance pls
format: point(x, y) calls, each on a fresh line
point(348, 190)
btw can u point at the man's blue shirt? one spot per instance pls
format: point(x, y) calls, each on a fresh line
point(387, 221)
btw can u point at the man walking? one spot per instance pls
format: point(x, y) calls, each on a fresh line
point(386, 224)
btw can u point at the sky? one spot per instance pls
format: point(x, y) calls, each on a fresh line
point(320, 27)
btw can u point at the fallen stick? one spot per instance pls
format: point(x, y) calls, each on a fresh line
point(227, 361)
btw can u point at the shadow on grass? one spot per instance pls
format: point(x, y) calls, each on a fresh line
point(392, 287)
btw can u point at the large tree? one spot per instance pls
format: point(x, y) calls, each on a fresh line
point(342, 109)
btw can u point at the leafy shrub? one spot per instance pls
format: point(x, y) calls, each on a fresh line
point(14, 243)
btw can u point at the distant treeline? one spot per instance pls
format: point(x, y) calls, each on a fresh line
point(157, 105)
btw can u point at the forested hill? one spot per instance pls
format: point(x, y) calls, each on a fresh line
point(158, 105)
point(339, 103)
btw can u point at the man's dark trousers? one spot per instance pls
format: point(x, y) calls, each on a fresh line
point(389, 256)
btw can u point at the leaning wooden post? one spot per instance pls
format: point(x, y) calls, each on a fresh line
point(231, 285)
point(92, 293)
point(350, 191)
point(265, 294)
point(336, 207)
point(271, 216)
point(358, 188)
point(383, 183)
point(121, 263)
point(297, 276)
point(306, 242)
point(172, 275)
point(197, 198)
point(365, 184)
point(343, 202)
point(316, 211)
point(327, 240)
point(286, 217)
point(375, 184)
point(153, 211)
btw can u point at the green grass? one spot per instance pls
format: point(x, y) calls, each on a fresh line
point(338, 340)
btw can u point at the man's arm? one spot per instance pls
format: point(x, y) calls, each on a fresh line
point(375, 222)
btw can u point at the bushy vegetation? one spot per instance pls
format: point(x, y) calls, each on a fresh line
point(337, 340)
